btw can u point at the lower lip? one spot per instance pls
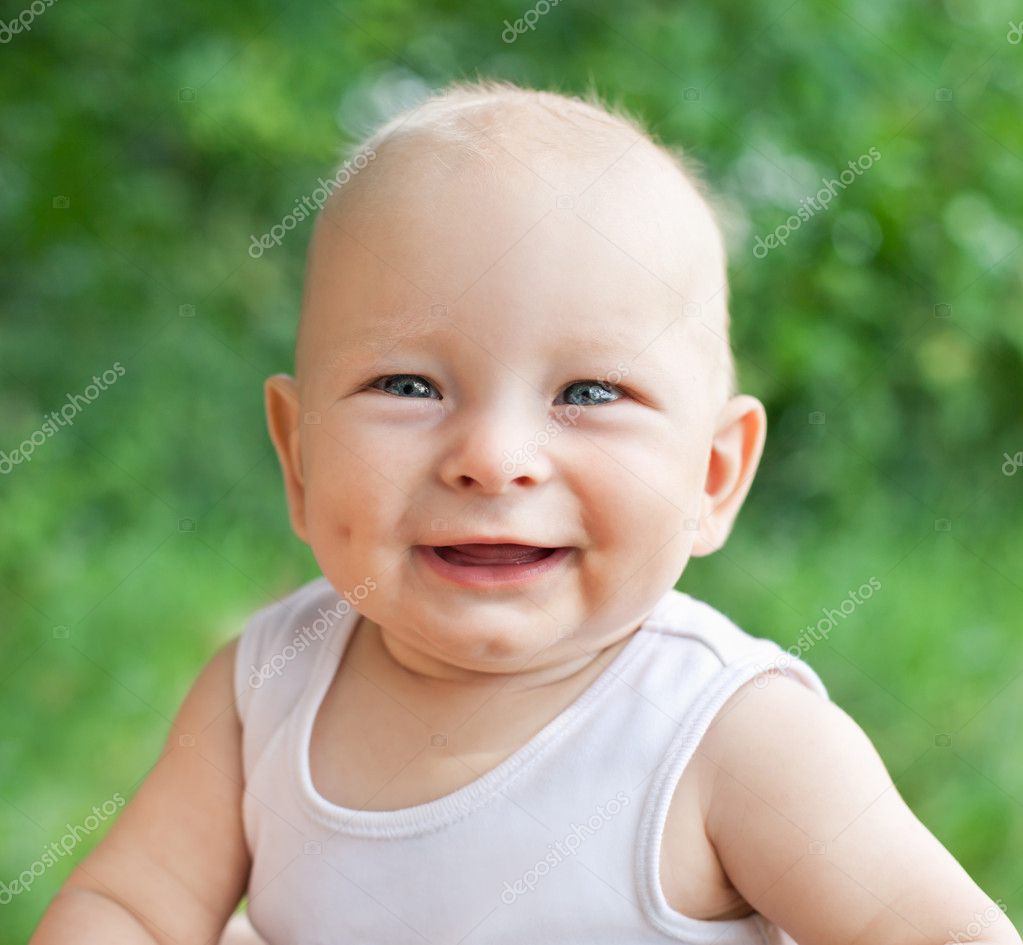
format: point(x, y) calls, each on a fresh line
point(490, 575)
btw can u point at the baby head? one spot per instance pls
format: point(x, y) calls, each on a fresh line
point(514, 331)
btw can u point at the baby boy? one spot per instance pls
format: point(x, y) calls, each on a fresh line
point(494, 719)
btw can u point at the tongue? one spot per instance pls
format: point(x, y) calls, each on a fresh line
point(492, 554)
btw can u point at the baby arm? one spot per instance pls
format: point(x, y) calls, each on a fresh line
point(811, 830)
point(174, 864)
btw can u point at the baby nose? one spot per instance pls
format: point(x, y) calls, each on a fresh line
point(493, 450)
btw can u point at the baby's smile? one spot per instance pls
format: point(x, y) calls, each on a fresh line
point(482, 566)
point(502, 414)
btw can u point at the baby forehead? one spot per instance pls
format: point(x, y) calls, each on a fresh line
point(485, 340)
point(584, 231)
point(536, 148)
point(610, 176)
point(453, 226)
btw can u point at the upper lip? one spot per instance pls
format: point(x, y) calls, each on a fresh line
point(490, 540)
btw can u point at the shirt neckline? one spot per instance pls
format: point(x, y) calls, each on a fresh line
point(435, 814)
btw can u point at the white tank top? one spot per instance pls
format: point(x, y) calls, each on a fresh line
point(560, 843)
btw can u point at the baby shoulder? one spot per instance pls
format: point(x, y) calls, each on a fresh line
point(791, 770)
point(776, 732)
point(803, 811)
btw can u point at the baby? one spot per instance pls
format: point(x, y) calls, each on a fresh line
point(494, 719)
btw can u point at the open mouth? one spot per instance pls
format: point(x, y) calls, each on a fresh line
point(475, 555)
point(491, 565)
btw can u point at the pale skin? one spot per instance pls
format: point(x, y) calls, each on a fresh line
point(635, 486)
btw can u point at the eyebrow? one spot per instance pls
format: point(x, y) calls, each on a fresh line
point(380, 339)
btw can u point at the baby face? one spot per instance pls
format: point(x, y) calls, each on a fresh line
point(478, 363)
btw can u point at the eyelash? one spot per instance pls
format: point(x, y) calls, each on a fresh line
point(592, 383)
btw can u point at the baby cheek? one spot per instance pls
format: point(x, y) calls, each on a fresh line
point(350, 465)
point(352, 504)
point(660, 514)
point(658, 471)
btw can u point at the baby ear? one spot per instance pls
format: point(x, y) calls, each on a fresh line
point(282, 420)
point(735, 454)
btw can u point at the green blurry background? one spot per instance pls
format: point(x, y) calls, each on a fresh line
point(143, 147)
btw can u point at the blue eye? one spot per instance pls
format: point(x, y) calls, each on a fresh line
point(405, 384)
point(590, 393)
point(593, 392)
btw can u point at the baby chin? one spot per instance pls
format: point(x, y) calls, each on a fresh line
point(504, 605)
